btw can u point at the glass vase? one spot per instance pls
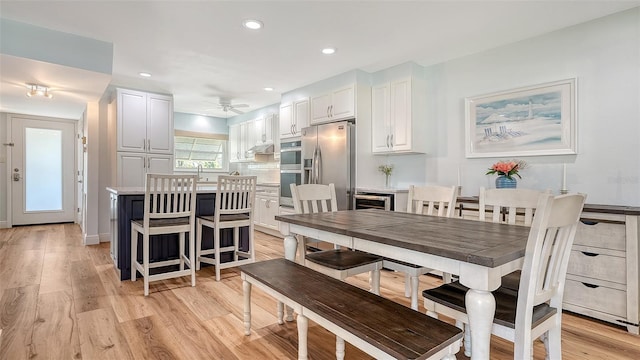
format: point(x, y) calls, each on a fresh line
point(503, 182)
point(387, 180)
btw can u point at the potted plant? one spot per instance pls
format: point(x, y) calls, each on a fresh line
point(506, 170)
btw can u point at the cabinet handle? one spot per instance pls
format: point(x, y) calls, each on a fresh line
point(590, 254)
point(328, 112)
point(387, 141)
point(149, 145)
point(591, 286)
point(291, 128)
point(267, 204)
point(392, 140)
point(331, 111)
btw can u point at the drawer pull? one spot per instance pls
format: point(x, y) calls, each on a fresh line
point(588, 222)
point(591, 286)
point(590, 254)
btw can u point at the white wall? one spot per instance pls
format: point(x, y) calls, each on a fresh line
point(3, 170)
point(604, 55)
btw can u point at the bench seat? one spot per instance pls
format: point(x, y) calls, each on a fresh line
point(380, 327)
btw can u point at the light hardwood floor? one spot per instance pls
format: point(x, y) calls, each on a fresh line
point(62, 300)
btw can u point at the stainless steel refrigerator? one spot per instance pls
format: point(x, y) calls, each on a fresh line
point(328, 156)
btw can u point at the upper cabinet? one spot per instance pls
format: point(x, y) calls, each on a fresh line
point(144, 122)
point(396, 118)
point(333, 106)
point(241, 138)
point(293, 118)
point(266, 129)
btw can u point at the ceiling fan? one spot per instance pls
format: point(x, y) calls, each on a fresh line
point(225, 105)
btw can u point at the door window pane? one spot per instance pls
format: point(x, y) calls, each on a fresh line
point(43, 169)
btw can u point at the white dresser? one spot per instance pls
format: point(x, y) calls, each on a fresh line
point(603, 277)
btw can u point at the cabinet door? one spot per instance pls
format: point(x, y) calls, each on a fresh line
point(269, 215)
point(286, 121)
point(258, 210)
point(301, 116)
point(159, 124)
point(380, 119)
point(247, 139)
point(400, 106)
point(131, 169)
point(270, 128)
point(131, 120)
point(234, 143)
point(159, 164)
point(343, 104)
point(260, 128)
point(320, 109)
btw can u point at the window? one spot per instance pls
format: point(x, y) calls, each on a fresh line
point(194, 149)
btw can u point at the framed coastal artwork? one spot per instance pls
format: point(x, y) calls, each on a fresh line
point(528, 121)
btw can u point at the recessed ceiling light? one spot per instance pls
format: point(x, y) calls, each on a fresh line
point(268, 89)
point(252, 24)
point(144, 74)
point(329, 51)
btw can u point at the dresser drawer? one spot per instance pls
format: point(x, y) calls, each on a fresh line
point(598, 266)
point(598, 298)
point(604, 235)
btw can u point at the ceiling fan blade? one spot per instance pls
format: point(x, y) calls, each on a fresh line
point(236, 111)
point(239, 105)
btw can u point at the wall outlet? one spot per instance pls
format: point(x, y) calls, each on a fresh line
point(3, 159)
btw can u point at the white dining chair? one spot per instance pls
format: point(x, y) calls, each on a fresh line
point(536, 309)
point(234, 209)
point(169, 208)
point(425, 200)
point(338, 263)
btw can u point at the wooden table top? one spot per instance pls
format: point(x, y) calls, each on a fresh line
point(483, 243)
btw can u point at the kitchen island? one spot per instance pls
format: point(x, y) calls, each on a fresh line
point(127, 203)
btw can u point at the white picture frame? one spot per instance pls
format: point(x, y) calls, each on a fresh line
point(535, 120)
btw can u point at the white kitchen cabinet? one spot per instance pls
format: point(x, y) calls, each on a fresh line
point(241, 138)
point(396, 118)
point(265, 129)
point(132, 168)
point(144, 122)
point(293, 118)
point(333, 106)
point(266, 209)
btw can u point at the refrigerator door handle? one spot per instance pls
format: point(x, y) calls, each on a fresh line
point(312, 178)
point(319, 167)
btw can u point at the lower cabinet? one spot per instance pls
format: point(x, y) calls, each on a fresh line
point(266, 209)
point(132, 168)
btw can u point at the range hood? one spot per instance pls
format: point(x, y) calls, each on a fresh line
point(266, 149)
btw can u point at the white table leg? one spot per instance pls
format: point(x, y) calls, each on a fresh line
point(290, 247)
point(481, 307)
point(303, 324)
point(339, 348)
point(246, 290)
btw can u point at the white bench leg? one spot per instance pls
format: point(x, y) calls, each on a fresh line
point(339, 348)
point(303, 324)
point(280, 313)
point(289, 314)
point(407, 285)
point(246, 291)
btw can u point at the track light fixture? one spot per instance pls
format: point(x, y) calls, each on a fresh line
point(38, 90)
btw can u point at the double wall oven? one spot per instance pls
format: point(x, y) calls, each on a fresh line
point(290, 168)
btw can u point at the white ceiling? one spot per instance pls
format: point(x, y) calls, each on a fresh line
point(199, 51)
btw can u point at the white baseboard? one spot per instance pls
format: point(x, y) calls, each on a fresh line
point(91, 239)
point(4, 224)
point(104, 237)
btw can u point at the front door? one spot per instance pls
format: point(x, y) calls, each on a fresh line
point(42, 175)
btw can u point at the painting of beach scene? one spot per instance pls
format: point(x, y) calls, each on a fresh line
point(535, 120)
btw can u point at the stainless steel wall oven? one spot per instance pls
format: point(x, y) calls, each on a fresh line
point(290, 168)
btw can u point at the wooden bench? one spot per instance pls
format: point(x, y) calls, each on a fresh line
point(378, 326)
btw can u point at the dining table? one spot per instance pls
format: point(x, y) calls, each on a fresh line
point(478, 252)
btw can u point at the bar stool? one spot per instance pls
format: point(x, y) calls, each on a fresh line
point(234, 208)
point(169, 208)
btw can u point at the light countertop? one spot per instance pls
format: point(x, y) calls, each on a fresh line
point(203, 188)
point(381, 190)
